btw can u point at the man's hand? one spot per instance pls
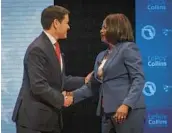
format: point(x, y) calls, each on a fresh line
point(88, 77)
point(121, 113)
point(68, 99)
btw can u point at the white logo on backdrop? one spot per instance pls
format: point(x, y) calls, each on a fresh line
point(148, 32)
point(157, 61)
point(167, 88)
point(149, 88)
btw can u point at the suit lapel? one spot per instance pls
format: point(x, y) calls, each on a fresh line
point(111, 57)
point(50, 51)
point(98, 62)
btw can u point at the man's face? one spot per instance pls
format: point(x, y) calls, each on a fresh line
point(63, 27)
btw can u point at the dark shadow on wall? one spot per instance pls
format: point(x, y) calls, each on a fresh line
point(80, 50)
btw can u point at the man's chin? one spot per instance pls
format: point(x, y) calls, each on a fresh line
point(64, 37)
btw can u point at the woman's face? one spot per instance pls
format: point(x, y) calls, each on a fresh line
point(103, 32)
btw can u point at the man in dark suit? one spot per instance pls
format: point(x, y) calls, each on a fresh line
point(40, 101)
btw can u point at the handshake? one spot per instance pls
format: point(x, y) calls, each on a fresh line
point(68, 98)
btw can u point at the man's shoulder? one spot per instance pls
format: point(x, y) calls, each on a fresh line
point(37, 43)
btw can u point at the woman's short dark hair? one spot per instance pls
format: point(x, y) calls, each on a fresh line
point(118, 28)
point(50, 13)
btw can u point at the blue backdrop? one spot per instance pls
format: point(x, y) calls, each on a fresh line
point(154, 37)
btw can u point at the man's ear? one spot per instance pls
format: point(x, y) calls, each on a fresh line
point(56, 23)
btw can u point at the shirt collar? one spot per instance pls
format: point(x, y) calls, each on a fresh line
point(52, 39)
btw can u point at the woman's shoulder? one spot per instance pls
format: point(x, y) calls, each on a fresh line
point(102, 53)
point(127, 44)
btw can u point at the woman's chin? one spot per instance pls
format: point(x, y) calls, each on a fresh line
point(103, 40)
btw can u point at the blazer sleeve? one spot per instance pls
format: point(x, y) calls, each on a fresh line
point(87, 90)
point(82, 93)
point(133, 64)
point(37, 72)
point(73, 82)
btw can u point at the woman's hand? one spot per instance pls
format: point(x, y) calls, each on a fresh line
point(121, 113)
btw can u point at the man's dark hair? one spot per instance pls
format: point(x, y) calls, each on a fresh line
point(118, 28)
point(50, 13)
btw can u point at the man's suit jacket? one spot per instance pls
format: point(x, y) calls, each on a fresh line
point(123, 79)
point(40, 100)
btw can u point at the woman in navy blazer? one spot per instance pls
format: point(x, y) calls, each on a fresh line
point(119, 72)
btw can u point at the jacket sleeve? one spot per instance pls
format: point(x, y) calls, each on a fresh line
point(37, 72)
point(73, 82)
point(82, 93)
point(133, 64)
